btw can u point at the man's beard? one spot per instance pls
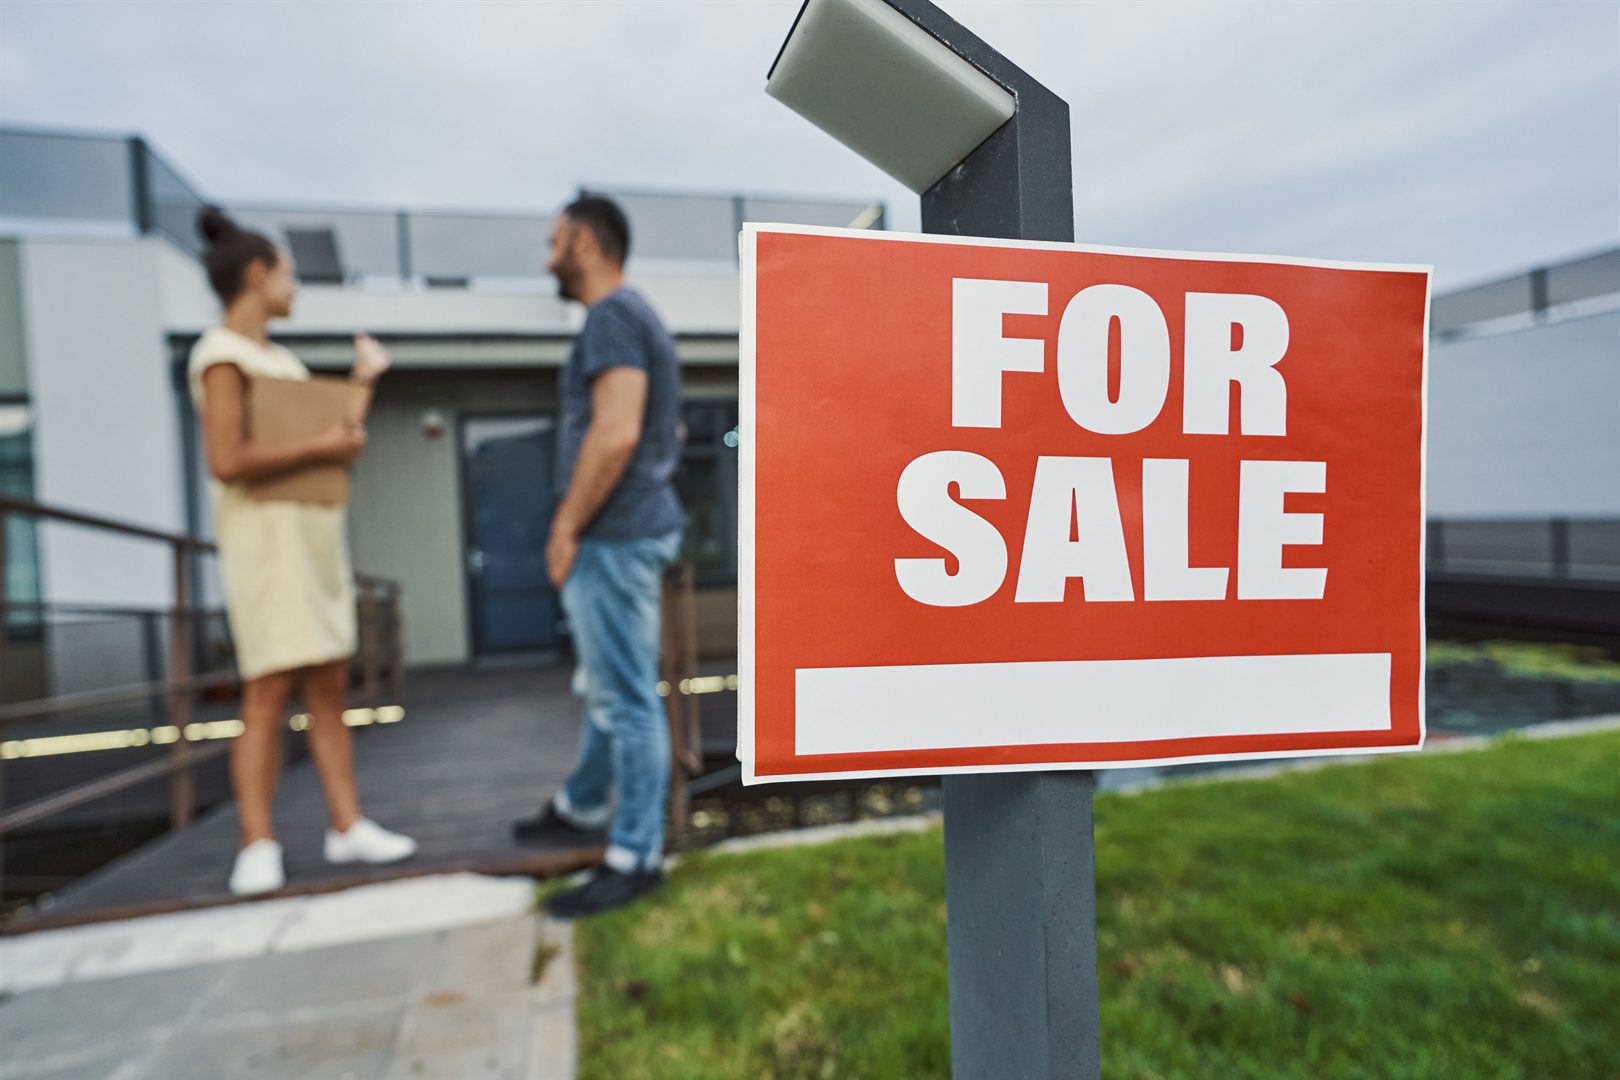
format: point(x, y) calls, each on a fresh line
point(566, 277)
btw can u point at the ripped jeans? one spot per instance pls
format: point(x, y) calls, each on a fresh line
point(612, 598)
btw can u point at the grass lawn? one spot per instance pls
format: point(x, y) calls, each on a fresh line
point(1444, 916)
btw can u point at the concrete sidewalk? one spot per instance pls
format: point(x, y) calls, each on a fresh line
point(451, 976)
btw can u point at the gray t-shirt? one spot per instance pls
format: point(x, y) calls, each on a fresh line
point(622, 330)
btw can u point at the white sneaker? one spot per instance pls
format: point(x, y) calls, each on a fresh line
point(367, 842)
point(258, 869)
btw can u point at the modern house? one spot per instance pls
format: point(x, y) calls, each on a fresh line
point(102, 296)
point(1524, 449)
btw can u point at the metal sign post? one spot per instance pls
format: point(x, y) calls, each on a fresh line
point(1020, 888)
point(1019, 880)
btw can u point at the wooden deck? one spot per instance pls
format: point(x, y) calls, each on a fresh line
point(475, 750)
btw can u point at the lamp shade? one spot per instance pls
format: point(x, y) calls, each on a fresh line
point(886, 88)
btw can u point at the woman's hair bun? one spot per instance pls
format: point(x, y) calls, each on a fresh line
point(215, 225)
point(231, 249)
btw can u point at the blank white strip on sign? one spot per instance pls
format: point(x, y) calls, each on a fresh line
point(858, 710)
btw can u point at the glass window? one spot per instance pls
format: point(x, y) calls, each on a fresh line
point(707, 483)
point(17, 478)
point(172, 205)
point(71, 177)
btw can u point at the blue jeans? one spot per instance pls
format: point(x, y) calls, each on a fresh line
point(612, 598)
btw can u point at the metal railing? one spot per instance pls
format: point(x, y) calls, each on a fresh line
point(380, 663)
point(1559, 549)
point(101, 183)
point(1530, 295)
point(678, 666)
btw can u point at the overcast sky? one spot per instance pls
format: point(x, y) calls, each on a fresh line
point(1481, 137)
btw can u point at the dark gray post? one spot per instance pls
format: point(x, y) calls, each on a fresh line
point(1538, 294)
point(402, 236)
point(1020, 903)
point(140, 187)
point(1020, 889)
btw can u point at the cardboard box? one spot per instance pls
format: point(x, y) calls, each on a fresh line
point(285, 411)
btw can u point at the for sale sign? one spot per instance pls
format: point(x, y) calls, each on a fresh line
point(1011, 505)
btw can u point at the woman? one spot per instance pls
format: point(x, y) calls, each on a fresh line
point(289, 592)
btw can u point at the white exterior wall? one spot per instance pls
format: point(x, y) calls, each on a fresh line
point(188, 303)
point(690, 303)
point(106, 436)
point(1527, 424)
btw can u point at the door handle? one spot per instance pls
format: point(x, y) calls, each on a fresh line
point(475, 561)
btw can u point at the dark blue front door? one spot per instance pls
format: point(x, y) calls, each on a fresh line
point(507, 466)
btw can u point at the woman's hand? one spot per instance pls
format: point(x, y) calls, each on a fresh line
point(370, 359)
point(342, 443)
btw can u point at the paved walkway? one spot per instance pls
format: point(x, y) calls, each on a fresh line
point(449, 976)
point(475, 750)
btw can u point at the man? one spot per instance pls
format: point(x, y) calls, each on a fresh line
point(616, 529)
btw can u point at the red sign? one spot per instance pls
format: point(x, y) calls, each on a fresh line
point(1012, 505)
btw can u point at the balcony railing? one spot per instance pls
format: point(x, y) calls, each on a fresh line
point(1533, 295)
point(176, 672)
point(119, 185)
point(1561, 549)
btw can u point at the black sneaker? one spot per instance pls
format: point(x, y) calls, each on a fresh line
point(607, 889)
point(550, 827)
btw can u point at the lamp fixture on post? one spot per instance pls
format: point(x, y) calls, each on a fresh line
point(876, 81)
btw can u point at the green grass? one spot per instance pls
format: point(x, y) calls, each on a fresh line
point(1445, 916)
point(1529, 659)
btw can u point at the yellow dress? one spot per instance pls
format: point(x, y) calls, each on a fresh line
point(289, 588)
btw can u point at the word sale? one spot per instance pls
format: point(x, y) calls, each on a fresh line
point(1231, 339)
